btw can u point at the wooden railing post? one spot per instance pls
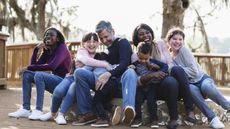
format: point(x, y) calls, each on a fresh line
point(223, 71)
point(3, 38)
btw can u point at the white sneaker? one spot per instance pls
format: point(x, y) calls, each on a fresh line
point(216, 123)
point(20, 113)
point(35, 115)
point(46, 117)
point(60, 119)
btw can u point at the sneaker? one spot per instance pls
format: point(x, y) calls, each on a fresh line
point(101, 123)
point(190, 119)
point(136, 123)
point(129, 115)
point(116, 116)
point(85, 119)
point(46, 117)
point(154, 124)
point(60, 119)
point(216, 123)
point(35, 115)
point(172, 124)
point(20, 113)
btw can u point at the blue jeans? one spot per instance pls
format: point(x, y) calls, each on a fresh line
point(43, 81)
point(184, 92)
point(64, 95)
point(85, 80)
point(129, 85)
point(168, 90)
point(208, 89)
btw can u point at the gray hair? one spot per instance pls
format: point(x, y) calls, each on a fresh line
point(104, 25)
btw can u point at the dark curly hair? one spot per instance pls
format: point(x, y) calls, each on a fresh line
point(135, 32)
point(144, 48)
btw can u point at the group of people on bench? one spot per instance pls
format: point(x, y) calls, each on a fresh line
point(158, 70)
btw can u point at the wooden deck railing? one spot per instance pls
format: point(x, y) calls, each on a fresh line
point(18, 56)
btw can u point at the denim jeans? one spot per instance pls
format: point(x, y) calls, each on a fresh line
point(129, 85)
point(64, 95)
point(43, 81)
point(208, 89)
point(102, 98)
point(148, 93)
point(85, 81)
point(168, 90)
point(184, 91)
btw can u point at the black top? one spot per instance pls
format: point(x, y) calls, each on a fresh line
point(119, 53)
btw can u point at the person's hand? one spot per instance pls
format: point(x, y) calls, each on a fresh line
point(158, 75)
point(108, 66)
point(153, 67)
point(78, 64)
point(132, 66)
point(41, 45)
point(102, 80)
point(22, 71)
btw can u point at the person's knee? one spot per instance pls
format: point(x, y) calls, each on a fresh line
point(79, 72)
point(130, 73)
point(38, 76)
point(26, 75)
point(208, 88)
point(177, 70)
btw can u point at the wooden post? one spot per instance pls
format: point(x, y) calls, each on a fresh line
point(3, 38)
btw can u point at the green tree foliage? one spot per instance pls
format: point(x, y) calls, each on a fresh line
point(36, 15)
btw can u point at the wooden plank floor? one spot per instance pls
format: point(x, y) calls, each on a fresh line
point(10, 100)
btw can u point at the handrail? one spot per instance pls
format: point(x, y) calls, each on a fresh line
point(18, 56)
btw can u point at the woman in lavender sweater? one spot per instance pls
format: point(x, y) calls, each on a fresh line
point(201, 84)
point(55, 58)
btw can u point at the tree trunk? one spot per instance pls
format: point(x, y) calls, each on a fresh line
point(41, 17)
point(173, 14)
point(34, 24)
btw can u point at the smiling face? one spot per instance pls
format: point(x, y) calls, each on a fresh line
point(91, 45)
point(106, 37)
point(176, 42)
point(50, 37)
point(144, 35)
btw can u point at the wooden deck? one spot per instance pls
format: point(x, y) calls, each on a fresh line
point(10, 100)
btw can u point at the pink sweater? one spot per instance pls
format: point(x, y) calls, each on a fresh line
point(83, 57)
point(165, 55)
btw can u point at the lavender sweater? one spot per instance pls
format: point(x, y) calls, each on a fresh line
point(57, 61)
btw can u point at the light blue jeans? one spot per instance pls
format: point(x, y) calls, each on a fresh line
point(43, 81)
point(129, 85)
point(85, 81)
point(63, 95)
point(208, 89)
